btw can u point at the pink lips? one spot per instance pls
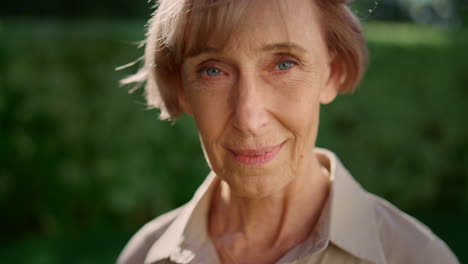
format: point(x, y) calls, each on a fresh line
point(256, 157)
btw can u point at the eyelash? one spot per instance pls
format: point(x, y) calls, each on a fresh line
point(202, 71)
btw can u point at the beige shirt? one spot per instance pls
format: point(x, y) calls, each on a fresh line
point(354, 227)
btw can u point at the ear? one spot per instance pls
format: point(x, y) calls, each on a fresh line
point(334, 78)
point(182, 99)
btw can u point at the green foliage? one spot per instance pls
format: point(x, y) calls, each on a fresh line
point(75, 147)
point(77, 153)
point(404, 133)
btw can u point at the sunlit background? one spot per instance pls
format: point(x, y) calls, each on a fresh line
point(83, 164)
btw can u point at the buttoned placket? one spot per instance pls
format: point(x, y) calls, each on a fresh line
point(181, 255)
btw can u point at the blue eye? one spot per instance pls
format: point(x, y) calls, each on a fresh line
point(285, 65)
point(212, 71)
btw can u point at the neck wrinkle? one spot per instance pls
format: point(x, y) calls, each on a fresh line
point(275, 223)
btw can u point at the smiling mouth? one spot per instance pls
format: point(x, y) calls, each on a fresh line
point(256, 157)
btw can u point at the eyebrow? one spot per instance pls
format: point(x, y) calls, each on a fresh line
point(289, 46)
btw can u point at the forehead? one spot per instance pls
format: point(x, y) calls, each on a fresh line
point(250, 24)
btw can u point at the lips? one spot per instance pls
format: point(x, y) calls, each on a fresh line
point(256, 157)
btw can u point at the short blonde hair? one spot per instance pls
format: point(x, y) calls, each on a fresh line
point(174, 20)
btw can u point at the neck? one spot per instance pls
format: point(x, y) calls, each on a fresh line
point(262, 230)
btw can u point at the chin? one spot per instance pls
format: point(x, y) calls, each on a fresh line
point(256, 183)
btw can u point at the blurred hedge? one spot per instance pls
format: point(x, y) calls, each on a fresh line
point(77, 153)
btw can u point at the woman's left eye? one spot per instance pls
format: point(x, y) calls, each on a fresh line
point(285, 65)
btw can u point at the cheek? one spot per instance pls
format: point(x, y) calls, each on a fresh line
point(209, 110)
point(297, 101)
point(298, 107)
point(210, 116)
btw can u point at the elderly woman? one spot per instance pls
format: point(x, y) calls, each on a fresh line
point(253, 75)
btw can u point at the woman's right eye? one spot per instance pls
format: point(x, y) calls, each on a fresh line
point(211, 71)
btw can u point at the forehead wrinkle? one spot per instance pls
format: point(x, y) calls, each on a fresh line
point(203, 50)
point(246, 44)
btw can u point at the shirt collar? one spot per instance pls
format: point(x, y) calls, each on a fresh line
point(174, 244)
point(352, 224)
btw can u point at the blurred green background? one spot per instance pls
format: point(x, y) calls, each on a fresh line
point(83, 164)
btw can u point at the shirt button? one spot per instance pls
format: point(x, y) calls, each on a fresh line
point(182, 256)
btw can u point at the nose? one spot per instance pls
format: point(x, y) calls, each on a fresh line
point(250, 115)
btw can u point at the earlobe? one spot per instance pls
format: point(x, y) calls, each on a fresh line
point(334, 80)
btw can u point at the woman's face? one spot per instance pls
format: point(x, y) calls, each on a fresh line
point(256, 100)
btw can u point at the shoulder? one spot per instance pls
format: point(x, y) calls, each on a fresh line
point(137, 248)
point(371, 228)
point(404, 239)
